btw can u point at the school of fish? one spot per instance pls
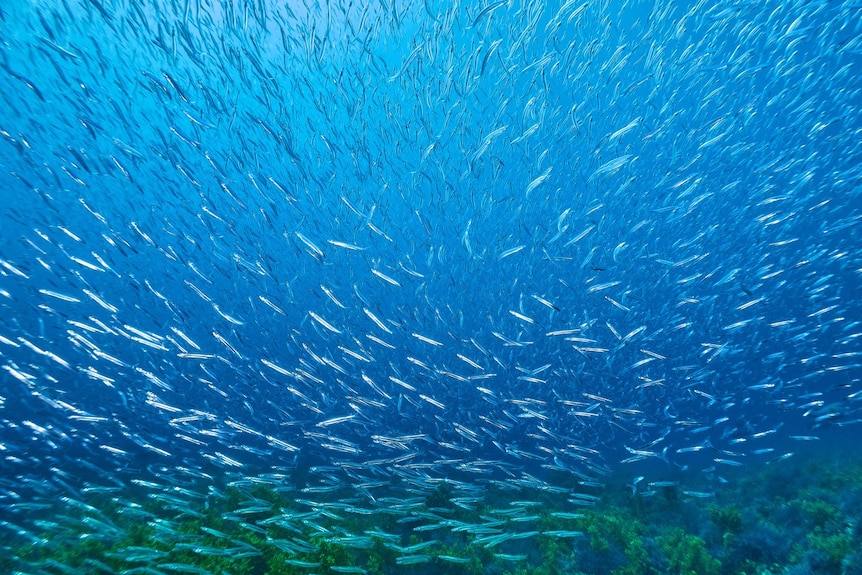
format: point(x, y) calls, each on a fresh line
point(519, 242)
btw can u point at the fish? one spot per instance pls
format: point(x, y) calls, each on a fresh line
point(485, 11)
point(423, 246)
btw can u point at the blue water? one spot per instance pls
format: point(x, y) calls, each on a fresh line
point(542, 238)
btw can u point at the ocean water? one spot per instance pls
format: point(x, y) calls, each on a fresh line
point(336, 248)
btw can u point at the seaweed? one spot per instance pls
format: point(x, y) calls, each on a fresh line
point(755, 525)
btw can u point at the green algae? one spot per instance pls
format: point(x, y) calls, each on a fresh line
point(762, 522)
